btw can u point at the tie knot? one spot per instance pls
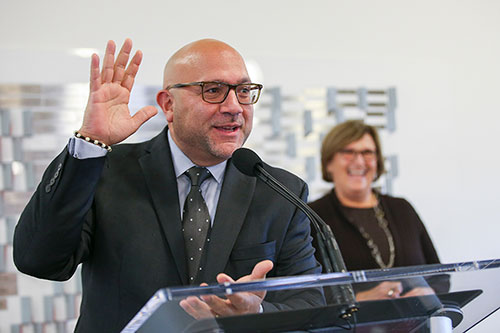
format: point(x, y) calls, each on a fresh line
point(197, 175)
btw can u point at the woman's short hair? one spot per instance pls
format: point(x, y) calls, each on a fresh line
point(343, 134)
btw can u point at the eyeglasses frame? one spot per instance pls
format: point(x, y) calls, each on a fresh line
point(231, 86)
point(355, 153)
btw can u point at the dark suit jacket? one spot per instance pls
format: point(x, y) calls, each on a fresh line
point(119, 216)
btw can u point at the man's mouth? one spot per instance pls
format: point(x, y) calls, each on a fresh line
point(228, 128)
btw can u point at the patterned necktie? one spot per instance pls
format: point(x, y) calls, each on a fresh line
point(195, 220)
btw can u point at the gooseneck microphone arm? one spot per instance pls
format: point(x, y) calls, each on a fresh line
point(250, 164)
point(267, 178)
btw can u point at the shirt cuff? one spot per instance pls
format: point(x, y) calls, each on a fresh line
point(82, 149)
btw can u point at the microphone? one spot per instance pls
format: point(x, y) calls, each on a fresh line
point(250, 164)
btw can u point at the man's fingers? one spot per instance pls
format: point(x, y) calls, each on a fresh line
point(108, 62)
point(258, 273)
point(121, 61)
point(261, 269)
point(143, 115)
point(130, 73)
point(239, 303)
point(196, 307)
point(245, 302)
point(218, 305)
point(95, 76)
point(223, 278)
point(187, 307)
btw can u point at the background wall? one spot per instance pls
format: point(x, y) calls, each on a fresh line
point(442, 57)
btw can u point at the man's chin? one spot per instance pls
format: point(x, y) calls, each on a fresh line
point(226, 150)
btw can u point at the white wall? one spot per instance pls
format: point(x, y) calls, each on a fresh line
point(442, 56)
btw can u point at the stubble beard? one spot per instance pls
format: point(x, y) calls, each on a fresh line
point(202, 148)
point(224, 150)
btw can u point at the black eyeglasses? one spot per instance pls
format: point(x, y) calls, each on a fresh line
point(216, 92)
point(350, 154)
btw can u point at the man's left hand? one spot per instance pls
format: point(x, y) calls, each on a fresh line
point(234, 304)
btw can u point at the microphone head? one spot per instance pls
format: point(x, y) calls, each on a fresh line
point(245, 160)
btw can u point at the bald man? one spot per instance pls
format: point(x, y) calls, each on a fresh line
point(118, 208)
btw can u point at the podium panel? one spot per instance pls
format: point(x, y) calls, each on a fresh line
point(431, 298)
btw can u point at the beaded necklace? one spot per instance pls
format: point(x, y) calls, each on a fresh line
point(384, 225)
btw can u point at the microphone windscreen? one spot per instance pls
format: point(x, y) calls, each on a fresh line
point(245, 160)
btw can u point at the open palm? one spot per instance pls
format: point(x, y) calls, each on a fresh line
point(107, 116)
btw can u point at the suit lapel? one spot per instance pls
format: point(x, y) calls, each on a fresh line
point(160, 178)
point(234, 201)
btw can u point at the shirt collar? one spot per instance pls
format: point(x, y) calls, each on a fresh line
point(182, 163)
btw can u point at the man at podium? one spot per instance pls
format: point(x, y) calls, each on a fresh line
point(170, 211)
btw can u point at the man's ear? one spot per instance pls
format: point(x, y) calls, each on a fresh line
point(166, 103)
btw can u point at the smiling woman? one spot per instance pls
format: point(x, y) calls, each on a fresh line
point(372, 230)
point(352, 158)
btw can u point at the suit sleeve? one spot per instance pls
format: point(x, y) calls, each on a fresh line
point(54, 232)
point(296, 258)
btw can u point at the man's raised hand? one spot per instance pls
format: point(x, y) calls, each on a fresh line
point(107, 117)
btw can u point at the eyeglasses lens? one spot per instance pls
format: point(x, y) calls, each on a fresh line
point(215, 92)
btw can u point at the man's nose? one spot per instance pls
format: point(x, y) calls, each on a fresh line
point(231, 103)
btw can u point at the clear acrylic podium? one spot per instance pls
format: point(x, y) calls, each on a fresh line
point(465, 294)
